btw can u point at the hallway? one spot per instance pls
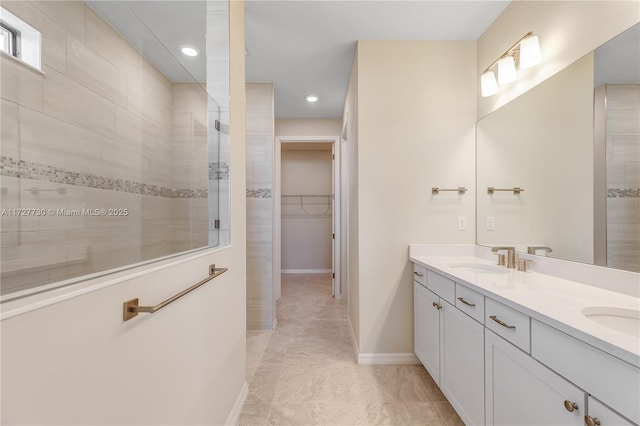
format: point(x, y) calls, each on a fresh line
point(304, 372)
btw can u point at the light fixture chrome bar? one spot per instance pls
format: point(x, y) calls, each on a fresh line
point(515, 190)
point(459, 190)
point(515, 47)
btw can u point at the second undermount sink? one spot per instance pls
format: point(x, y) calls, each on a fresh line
point(478, 267)
point(621, 319)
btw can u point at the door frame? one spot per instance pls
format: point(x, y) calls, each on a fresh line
point(277, 219)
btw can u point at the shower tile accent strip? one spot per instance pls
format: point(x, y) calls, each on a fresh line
point(11, 167)
point(623, 193)
point(259, 193)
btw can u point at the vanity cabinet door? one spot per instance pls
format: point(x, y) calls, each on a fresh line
point(462, 364)
point(521, 391)
point(426, 329)
point(600, 414)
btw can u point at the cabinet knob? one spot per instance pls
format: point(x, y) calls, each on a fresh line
point(436, 305)
point(570, 406)
point(591, 421)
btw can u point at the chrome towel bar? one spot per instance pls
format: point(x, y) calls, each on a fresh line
point(515, 190)
point(130, 308)
point(460, 190)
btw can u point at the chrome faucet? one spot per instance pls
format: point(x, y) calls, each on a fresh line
point(533, 249)
point(511, 256)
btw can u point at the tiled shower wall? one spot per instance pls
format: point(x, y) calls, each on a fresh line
point(260, 133)
point(100, 128)
point(623, 176)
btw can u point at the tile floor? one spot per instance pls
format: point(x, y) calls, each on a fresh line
point(304, 372)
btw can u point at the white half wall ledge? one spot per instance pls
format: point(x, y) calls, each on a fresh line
point(236, 410)
point(388, 359)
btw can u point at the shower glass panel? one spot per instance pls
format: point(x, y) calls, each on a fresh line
point(110, 155)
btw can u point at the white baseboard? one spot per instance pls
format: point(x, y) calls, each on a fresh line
point(236, 410)
point(388, 359)
point(306, 271)
point(275, 323)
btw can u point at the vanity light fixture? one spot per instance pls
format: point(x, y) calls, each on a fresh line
point(525, 53)
point(311, 98)
point(189, 51)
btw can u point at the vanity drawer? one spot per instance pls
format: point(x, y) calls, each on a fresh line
point(470, 302)
point(607, 378)
point(508, 323)
point(443, 287)
point(420, 274)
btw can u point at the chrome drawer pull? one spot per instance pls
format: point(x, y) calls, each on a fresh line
point(419, 274)
point(465, 302)
point(502, 323)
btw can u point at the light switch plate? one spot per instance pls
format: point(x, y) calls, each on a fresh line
point(491, 223)
point(462, 223)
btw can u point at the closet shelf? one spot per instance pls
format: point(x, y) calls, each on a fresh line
point(307, 206)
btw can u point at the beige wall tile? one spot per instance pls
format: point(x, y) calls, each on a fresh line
point(10, 146)
point(120, 160)
point(20, 84)
point(48, 140)
point(623, 210)
point(72, 102)
point(37, 194)
point(103, 39)
point(94, 72)
point(68, 13)
point(623, 96)
point(116, 202)
point(54, 44)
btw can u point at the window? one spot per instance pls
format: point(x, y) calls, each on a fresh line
point(20, 39)
point(9, 39)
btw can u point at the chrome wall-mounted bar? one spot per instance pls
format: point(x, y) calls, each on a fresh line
point(515, 190)
point(130, 308)
point(459, 190)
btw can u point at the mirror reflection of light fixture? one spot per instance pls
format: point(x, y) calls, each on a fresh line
point(488, 84)
point(311, 98)
point(524, 53)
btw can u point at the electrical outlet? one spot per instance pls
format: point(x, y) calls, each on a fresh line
point(462, 223)
point(491, 223)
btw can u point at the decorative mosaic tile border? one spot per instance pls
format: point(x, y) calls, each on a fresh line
point(623, 193)
point(259, 193)
point(11, 167)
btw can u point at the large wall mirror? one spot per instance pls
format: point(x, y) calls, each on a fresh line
point(572, 144)
point(114, 142)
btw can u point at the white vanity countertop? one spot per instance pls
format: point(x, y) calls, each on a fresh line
point(555, 301)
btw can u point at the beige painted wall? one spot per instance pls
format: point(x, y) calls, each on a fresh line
point(66, 362)
point(306, 221)
point(542, 142)
point(422, 135)
point(308, 126)
point(568, 30)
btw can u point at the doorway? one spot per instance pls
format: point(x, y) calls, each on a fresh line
point(307, 205)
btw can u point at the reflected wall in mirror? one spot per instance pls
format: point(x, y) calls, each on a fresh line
point(581, 198)
point(109, 155)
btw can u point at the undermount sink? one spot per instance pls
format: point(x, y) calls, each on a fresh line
point(477, 267)
point(621, 319)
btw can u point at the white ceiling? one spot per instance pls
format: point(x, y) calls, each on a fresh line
point(308, 46)
point(302, 46)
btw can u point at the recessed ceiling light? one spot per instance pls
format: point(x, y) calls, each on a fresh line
point(189, 51)
point(311, 98)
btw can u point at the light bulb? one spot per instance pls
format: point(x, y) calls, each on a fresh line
point(506, 70)
point(488, 84)
point(530, 52)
